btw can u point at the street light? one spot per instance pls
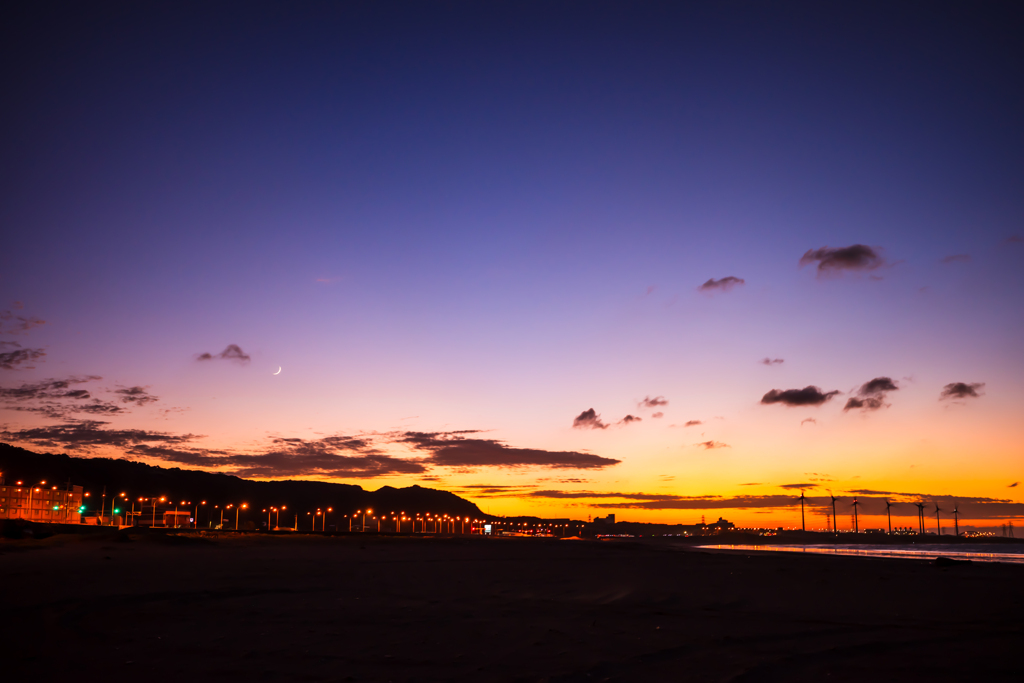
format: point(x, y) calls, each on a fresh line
point(238, 511)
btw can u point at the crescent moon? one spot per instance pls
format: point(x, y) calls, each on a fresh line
point(278, 370)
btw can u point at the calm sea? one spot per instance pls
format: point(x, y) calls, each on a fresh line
point(977, 553)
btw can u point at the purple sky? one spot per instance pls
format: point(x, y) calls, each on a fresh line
point(496, 216)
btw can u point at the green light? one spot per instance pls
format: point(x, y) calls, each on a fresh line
point(117, 510)
point(56, 507)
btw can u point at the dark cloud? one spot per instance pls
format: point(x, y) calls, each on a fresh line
point(725, 284)
point(797, 487)
point(451, 449)
point(136, 395)
point(658, 415)
point(970, 508)
point(1013, 485)
point(15, 324)
point(49, 389)
point(340, 456)
point(810, 419)
point(12, 359)
point(808, 396)
point(871, 396)
point(91, 433)
point(334, 456)
point(771, 361)
point(231, 352)
point(957, 390)
point(655, 402)
point(855, 257)
point(588, 419)
point(630, 419)
point(711, 445)
point(692, 423)
point(957, 258)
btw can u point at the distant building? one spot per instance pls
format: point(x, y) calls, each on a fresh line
point(41, 504)
point(610, 519)
point(721, 525)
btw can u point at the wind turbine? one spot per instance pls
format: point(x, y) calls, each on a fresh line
point(956, 520)
point(856, 525)
point(889, 515)
point(834, 531)
point(938, 524)
point(803, 524)
point(920, 518)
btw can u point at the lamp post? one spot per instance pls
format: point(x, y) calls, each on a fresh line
point(364, 518)
point(238, 511)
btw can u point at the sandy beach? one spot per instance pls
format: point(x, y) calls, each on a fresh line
point(303, 608)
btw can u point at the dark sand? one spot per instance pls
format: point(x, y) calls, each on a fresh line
point(412, 609)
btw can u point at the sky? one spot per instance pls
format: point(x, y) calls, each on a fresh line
point(659, 260)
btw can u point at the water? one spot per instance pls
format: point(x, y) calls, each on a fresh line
point(977, 553)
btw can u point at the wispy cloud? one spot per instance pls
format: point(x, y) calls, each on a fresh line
point(961, 390)
point(871, 396)
point(771, 361)
point(657, 415)
point(725, 284)
point(712, 445)
point(138, 396)
point(808, 396)
point(629, 419)
point(232, 352)
point(957, 258)
point(809, 419)
point(20, 357)
point(11, 323)
point(656, 402)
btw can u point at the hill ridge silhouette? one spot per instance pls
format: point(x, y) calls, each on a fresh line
point(138, 479)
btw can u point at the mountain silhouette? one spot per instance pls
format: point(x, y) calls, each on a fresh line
point(141, 480)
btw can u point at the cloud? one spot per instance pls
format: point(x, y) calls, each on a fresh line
point(871, 396)
point(797, 487)
point(334, 456)
point(136, 395)
point(231, 352)
point(771, 361)
point(49, 388)
point(452, 449)
point(810, 419)
point(957, 258)
point(11, 359)
point(970, 508)
point(692, 423)
point(855, 257)
point(588, 419)
point(655, 402)
point(658, 415)
point(1014, 239)
point(808, 396)
point(11, 344)
point(1013, 485)
point(711, 445)
point(16, 324)
point(630, 419)
point(725, 284)
point(959, 390)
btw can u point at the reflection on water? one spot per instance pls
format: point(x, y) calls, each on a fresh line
point(978, 553)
